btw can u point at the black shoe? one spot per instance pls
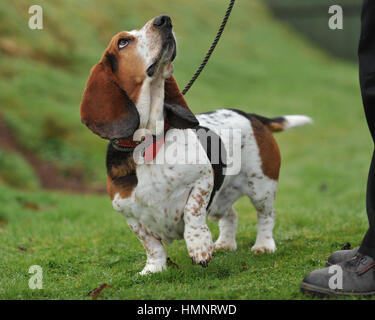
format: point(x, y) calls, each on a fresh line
point(341, 256)
point(355, 277)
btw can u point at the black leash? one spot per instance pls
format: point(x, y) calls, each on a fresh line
point(208, 55)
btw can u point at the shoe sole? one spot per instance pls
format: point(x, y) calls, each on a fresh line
point(315, 291)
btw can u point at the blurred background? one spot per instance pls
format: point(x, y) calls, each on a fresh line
point(275, 57)
point(309, 17)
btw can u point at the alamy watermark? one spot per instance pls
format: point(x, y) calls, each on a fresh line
point(336, 21)
point(336, 280)
point(36, 19)
point(36, 280)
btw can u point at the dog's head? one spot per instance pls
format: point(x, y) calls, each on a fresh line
point(132, 83)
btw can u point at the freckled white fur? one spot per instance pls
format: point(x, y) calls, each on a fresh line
point(168, 203)
point(251, 181)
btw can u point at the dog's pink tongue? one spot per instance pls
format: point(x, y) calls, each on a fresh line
point(154, 148)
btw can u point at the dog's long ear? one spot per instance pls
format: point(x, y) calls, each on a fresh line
point(177, 111)
point(106, 109)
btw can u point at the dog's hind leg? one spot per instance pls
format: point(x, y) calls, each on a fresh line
point(262, 194)
point(222, 210)
point(228, 228)
point(156, 254)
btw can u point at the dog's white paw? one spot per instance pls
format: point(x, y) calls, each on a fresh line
point(221, 244)
point(202, 255)
point(153, 268)
point(199, 244)
point(264, 245)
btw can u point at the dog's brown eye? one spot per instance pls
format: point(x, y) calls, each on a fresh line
point(122, 43)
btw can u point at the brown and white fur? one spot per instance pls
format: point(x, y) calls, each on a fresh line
point(128, 90)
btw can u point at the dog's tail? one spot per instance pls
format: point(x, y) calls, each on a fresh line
point(283, 123)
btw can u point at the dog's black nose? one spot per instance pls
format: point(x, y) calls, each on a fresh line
point(162, 22)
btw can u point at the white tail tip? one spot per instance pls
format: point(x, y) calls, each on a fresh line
point(296, 121)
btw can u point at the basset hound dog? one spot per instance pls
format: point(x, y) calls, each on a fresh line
point(132, 99)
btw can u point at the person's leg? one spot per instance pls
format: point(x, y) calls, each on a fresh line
point(356, 276)
point(366, 55)
point(368, 244)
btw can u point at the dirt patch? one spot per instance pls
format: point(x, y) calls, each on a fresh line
point(49, 177)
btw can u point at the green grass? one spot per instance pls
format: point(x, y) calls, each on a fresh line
point(81, 243)
point(260, 66)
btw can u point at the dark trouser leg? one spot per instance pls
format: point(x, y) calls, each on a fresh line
point(368, 244)
point(357, 273)
point(367, 80)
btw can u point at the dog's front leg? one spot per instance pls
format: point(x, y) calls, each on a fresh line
point(156, 254)
point(197, 235)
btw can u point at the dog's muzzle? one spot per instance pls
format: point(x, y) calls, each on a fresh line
point(169, 48)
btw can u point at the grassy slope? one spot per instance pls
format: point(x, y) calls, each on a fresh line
point(260, 66)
